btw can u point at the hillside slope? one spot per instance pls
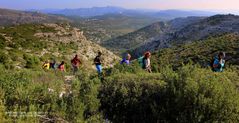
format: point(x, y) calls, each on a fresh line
point(153, 32)
point(199, 52)
point(48, 41)
point(177, 31)
point(209, 27)
point(102, 28)
point(134, 39)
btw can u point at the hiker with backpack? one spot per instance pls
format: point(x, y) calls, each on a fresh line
point(53, 65)
point(218, 62)
point(144, 62)
point(147, 65)
point(97, 62)
point(126, 59)
point(75, 62)
point(46, 65)
point(61, 67)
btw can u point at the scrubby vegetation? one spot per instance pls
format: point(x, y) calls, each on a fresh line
point(34, 96)
point(191, 94)
point(29, 45)
point(21, 48)
point(23, 36)
point(128, 94)
point(201, 52)
point(181, 88)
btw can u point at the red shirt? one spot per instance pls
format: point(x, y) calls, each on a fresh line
point(75, 61)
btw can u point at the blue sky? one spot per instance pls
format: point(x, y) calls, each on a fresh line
point(223, 5)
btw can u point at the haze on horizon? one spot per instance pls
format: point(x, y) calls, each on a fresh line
point(213, 5)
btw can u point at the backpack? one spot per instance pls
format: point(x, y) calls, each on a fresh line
point(141, 61)
point(212, 62)
point(46, 66)
point(53, 65)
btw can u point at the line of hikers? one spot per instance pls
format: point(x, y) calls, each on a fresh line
point(144, 61)
point(217, 63)
point(53, 65)
point(75, 63)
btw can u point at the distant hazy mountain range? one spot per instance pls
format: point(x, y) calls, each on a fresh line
point(96, 11)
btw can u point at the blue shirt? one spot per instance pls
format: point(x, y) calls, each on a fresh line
point(217, 62)
point(125, 61)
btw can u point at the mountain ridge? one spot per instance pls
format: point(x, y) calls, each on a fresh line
point(96, 11)
point(179, 31)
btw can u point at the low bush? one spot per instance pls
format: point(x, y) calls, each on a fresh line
point(4, 59)
point(134, 68)
point(191, 94)
point(31, 61)
point(27, 92)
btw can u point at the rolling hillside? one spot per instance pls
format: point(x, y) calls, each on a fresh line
point(209, 27)
point(37, 43)
point(13, 17)
point(104, 27)
point(155, 31)
point(177, 31)
point(200, 52)
point(137, 38)
point(101, 24)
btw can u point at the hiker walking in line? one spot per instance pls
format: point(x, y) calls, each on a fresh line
point(46, 65)
point(75, 62)
point(97, 62)
point(62, 70)
point(218, 63)
point(53, 65)
point(126, 59)
point(61, 67)
point(146, 61)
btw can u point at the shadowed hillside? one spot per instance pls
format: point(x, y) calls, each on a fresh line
point(135, 39)
point(177, 31)
point(209, 27)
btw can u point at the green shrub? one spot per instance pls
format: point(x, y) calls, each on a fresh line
point(134, 67)
point(4, 59)
point(2, 42)
point(191, 94)
point(31, 61)
point(27, 91)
